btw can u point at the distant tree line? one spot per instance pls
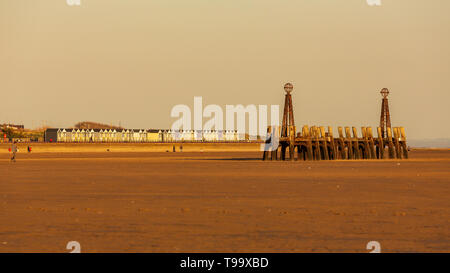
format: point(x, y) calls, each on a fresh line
point(95, 125)
point(12, 133)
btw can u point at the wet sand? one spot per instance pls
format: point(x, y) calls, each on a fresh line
point(133, 147)
point(222, 202)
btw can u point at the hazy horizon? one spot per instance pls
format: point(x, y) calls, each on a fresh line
point(114, 61)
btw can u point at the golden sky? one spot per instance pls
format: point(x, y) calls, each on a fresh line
point(133, 60)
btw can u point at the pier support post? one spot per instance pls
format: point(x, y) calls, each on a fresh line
point(317, 153)
point(380, 147)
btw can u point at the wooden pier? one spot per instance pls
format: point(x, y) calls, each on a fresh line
point(318, 143)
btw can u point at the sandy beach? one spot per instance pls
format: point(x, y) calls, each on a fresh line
point(220, 201)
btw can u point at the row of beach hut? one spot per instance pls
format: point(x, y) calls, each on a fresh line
point(138, 135)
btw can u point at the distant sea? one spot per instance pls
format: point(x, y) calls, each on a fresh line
point(429, 143)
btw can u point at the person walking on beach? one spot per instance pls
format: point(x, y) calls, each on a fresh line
point(14, 150)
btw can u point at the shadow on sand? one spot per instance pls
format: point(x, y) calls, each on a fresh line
point(231, 159)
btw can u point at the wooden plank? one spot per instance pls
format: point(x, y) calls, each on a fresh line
point(324, 143)
point(356, 151)
point(349, 141)
point(316, 144)
point(341, 134)
point(398, 154)
point(343, 153)
point(373, 154)
point(390, 143)
point(403, 143)
point(291, 142)
point(309, 147)
point(305, 131)
point(366, 153)
point(332, 143)
point(403, 133)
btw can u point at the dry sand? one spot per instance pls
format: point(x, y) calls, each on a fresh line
point(222, 202)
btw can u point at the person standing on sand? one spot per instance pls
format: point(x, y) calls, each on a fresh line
point(14, 150)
